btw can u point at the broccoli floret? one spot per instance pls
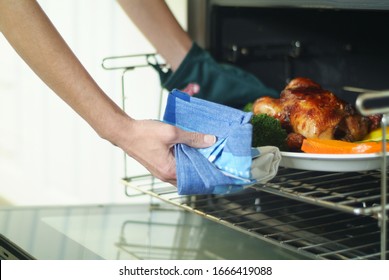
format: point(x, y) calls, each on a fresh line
point(267, 131)
point(248, 107)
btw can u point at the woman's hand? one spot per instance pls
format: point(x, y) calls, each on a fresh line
point(151, 143)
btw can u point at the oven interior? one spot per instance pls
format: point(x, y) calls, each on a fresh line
point(343, 50)
point(316, 214)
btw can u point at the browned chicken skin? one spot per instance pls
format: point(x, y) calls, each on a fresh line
point(308, 111)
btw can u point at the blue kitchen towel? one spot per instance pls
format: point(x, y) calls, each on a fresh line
point(225, 166)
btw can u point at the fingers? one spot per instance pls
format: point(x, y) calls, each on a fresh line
point(196, 140)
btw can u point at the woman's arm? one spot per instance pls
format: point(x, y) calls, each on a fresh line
point(157, 23)
point(33, 36)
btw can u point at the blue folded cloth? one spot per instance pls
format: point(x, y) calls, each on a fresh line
point(225, 166)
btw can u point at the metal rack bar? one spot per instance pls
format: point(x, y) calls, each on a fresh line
point(362, 105)
point(384, 189)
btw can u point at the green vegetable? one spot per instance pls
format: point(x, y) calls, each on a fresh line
point(267, 131)
point(248, 107)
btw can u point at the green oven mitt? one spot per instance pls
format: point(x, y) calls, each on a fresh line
point(201, 76)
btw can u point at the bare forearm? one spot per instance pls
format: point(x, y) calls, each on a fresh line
point(36, 40)
point(155, 20)
point(32, 35)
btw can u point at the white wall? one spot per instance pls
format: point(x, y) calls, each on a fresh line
point(48, 154)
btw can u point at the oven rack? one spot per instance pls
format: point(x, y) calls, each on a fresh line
point(356, 193)
point(351, 192)
point(310, 230)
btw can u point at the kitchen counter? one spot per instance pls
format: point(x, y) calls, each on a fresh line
point(127, 232)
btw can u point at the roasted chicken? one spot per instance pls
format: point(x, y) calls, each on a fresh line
point(305, 109)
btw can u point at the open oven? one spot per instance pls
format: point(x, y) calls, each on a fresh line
point(318, 212)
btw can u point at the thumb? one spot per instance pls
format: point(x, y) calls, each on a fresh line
point(196, 140)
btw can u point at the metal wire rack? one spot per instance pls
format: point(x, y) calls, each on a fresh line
point(313, 231)
point(351, 192)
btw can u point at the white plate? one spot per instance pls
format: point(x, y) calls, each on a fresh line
point(331, 162)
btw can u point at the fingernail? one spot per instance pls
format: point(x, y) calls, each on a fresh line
point(209, 139)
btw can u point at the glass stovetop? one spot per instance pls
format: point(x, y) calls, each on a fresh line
point(128, 232)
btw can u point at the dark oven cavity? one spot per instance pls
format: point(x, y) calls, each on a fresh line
point(339, 49)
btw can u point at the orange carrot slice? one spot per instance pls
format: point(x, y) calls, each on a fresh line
point(323, 146)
